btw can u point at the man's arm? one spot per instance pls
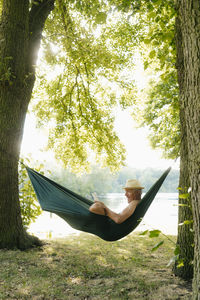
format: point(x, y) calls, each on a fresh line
point(125, 214)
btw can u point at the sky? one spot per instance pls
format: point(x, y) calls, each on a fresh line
point(139, 152)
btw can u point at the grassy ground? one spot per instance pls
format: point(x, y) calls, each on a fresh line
point(85, 267)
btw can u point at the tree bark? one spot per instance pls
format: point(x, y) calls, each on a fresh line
point(20, 36)
point(185, 238)
point(188, 14)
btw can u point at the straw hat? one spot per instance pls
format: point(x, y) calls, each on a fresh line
point(133, 184)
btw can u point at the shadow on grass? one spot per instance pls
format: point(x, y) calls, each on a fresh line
point(85, 267)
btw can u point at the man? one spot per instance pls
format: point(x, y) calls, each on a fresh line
point(133, 192)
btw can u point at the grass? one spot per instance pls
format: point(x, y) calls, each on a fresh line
point(85, 267)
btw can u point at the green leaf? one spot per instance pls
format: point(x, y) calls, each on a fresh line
point(150, 7)
point(147, 41)
point(156, 1)
point(180, 263)
point(157, 246)
point(36, 2)
point(184, 196)
point(146, 64)
point(144, 232)
point(186, 222)
point(177, 250)
point(152, 54)
point(101, 18)
point(183, 205)
point(154, 233)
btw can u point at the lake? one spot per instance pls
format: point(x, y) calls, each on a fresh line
point(162, 215)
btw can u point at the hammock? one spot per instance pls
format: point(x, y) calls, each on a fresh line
point(74, 209)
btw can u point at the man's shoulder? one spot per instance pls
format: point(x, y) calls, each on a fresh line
point(131, 204)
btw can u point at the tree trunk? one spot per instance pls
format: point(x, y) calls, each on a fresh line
point(20, 35)
point(188, 14)
point(185, 238)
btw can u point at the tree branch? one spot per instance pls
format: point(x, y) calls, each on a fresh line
point(39, 12)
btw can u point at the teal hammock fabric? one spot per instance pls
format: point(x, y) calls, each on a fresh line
point(74, 209)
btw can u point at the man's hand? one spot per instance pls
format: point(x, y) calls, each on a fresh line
point(100, 202)
point(94, 195)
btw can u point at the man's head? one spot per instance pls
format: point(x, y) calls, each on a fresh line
point(133, 194)
point(133, 190)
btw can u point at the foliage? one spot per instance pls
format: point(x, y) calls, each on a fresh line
point(148, 177)
point(177, 257)
point(87, 48)
point(30, 208)
point(102, 181)
point(156, 233)
point(160, 99)
point(161, 115)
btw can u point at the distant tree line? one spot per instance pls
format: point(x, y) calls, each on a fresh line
point(102, 181)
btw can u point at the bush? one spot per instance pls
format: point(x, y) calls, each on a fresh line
point(30, 208)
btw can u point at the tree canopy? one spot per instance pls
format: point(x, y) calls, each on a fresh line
point(160, 98)
point(87, 48)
